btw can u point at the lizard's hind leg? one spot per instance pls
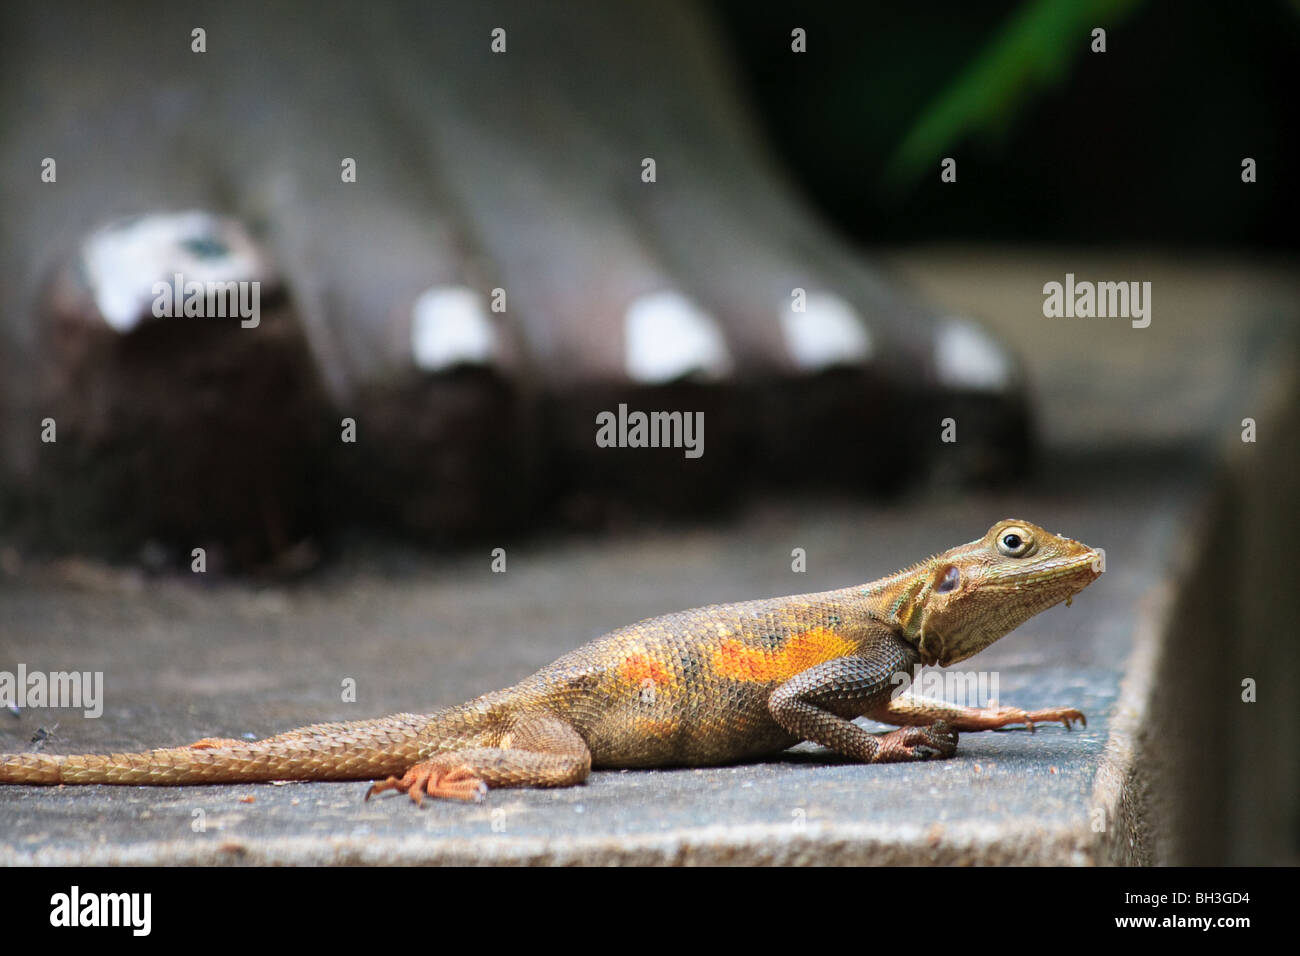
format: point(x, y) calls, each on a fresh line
point(535, 750)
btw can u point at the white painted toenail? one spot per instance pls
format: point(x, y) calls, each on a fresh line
point(450, 326)
point(828, 332)
point(667, 336)
point(966, 356)
point(124, 260)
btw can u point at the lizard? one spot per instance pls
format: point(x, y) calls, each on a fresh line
point(707, 686)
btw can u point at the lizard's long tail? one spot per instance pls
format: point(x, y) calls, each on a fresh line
point(361, 750)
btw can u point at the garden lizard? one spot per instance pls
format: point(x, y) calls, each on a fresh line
point(707, 686)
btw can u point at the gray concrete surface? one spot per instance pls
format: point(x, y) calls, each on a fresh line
point(1136, 427)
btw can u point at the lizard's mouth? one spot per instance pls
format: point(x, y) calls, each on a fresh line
point(1077, 571)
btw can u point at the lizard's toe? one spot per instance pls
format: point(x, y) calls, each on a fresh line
point(456, 783)
point(1064, 715)
point(941, 738)
point(435, 779)
point(411, 783)
point(918, 743)
point(380, 786)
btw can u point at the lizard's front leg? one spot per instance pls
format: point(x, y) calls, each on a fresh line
point(910, 710)
point(819, 704)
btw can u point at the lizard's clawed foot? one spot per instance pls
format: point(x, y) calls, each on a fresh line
point(991, 718)
point(435, 779)
point(1065, 715)
point(918, 743)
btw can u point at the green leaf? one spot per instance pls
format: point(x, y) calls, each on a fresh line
point(1030, 53)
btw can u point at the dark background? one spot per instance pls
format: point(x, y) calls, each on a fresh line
point(1141, 144)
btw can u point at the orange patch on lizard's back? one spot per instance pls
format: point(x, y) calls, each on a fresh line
point(638, 668)
point(741, 661)
point(659, 729)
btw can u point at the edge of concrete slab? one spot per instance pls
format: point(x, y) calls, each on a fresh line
point(1188, 777)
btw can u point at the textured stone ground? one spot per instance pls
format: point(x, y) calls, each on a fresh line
point(1141, 456)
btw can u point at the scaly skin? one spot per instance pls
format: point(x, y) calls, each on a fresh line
point(705, 686)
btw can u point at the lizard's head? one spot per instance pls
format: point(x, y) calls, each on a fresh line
point(970, 596)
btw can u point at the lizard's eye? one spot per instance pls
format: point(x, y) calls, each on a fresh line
point(1015, 542)
point(949, 578)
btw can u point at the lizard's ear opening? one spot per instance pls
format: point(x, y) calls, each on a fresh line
point(947, 579)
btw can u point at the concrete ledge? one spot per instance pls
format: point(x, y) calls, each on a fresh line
point(1172, 767)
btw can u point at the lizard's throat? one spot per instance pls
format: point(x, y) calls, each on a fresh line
point(932, 648)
